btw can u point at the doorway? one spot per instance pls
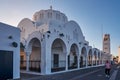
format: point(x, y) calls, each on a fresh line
point(56, 60)
point(6, 65)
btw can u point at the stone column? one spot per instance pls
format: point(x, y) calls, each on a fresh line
point(78, 61)
point(86, 60)
point(66, 68)
point(92, 60)
point(103, 60)
point(96, 61)
point(27, 60)
point(100, 59)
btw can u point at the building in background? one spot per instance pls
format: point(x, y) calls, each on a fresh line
point(9, 52)
point(107, 46)
point(119, 54)
point(106, 43)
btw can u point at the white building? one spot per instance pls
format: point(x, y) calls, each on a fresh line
point(9, 52)
point(51, 43)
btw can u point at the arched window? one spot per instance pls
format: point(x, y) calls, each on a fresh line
point(41, 16)
point(58, 16)
point(49, 15)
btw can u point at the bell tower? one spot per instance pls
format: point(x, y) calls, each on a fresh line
point(106, 43)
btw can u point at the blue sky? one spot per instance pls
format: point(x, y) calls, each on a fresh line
point(94, 16)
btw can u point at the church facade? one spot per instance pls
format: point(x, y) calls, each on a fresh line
point(50, 44)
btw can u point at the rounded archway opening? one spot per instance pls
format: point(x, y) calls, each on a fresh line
point(83, 57)
point(22, 57)
point(94, 58)
point(35, 56)
point(90, 58)
point(99, 60)
point(58, 55)
point(72, 57)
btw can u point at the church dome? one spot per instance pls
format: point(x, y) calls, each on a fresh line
point(43, 16)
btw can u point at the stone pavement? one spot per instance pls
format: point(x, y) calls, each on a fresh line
point(118, 73)
point(95, 73)
point(62, 76)
point(98, 75)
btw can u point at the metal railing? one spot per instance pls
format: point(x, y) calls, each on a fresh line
point(59, 66)
point(72, 64)
point(61, 63)
point(34, 65)
point(83, 64)
point(23, 65)
point(89, 62)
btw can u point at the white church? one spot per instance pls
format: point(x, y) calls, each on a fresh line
point(52, 44)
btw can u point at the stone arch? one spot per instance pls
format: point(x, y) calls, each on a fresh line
point(28, 50)
point(35, 34)
point(35, 55)
point(73, 56)
point(94, 57)
point(83, 57)
point(58, 55)
point(90, 57)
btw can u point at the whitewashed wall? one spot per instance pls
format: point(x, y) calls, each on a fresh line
point(6, 44)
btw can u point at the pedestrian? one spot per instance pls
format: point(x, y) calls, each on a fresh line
point(107, 68)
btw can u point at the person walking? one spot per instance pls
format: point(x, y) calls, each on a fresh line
point(107, 68)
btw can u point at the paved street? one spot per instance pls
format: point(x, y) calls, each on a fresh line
point(96, 73)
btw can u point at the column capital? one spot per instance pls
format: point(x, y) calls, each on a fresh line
point(28, 53)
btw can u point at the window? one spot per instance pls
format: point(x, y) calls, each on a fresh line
point(106, 48)
point(105, 44)
point(56, 60)
point(58, 16)
point(41, 16)
point(49, 15)
point(105, 39)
